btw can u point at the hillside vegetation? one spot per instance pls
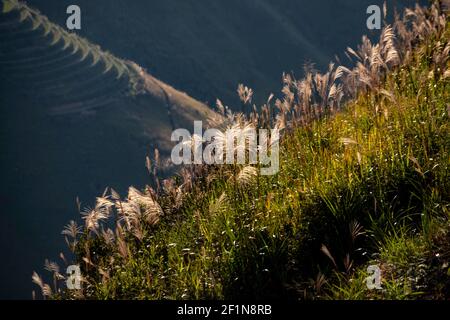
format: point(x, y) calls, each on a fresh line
point(363, 180)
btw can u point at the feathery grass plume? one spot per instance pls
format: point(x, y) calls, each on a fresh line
point(247, 175)
point(104, 204)
point(441, 56)
point(387, 94)
point(312, 97)
point(108, 236)
point(138, 208)
point(245, 94)
point(105, 274)
point(51, 266)
point(63, 258)
point(115, 195)
point(92, 218)
point(288, 94)
point(157, 158)
point(220, 107)
point(446, 74)
point(45, 288)
point(71, 230)
point(219, 205)
point(388, 51)
point(148, 164)
point(156, 167)
point(283, 106)
point(101, 212)
point(129, 213)
point(169, 187)
point(269, 99)
point(195, 144)
point(151, 210)
point(347, 141)
point(88, 262)
point(138, 232)
point(122, 247)
point(325, 250)
point(174, 193)
point(254, 116)
point(281, 121)
point(78, 202)
point(186, 179)
point(241, 129)
point(373, 62)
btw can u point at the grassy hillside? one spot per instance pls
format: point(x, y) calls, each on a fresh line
point(363, 180)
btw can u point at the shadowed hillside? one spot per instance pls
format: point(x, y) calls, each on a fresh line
point(71, 76)
point(207, 48)
point(74, 119)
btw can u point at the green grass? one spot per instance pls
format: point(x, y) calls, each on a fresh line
point(370, 183)
point(413, 266)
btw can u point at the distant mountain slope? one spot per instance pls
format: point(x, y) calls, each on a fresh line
point(207, 47)
point(74, 119)
point(70, 75)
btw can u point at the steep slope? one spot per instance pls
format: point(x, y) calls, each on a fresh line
point(364, 181)
point(74, 119)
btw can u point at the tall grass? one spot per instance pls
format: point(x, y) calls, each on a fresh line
point(364, 178)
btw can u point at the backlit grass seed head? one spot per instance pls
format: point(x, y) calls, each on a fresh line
point(150, 210)
point(45, 288)
point(219, 205)
point(92, 217)
point(247, 175)
point(245, 94)
point(51, 266)
point(108, 236)
point(72, 230)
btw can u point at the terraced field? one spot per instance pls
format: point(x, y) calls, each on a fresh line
point(207, 47)
point(70, 75)
point(74, 119)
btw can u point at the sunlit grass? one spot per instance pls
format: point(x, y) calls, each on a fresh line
point(366, 185)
